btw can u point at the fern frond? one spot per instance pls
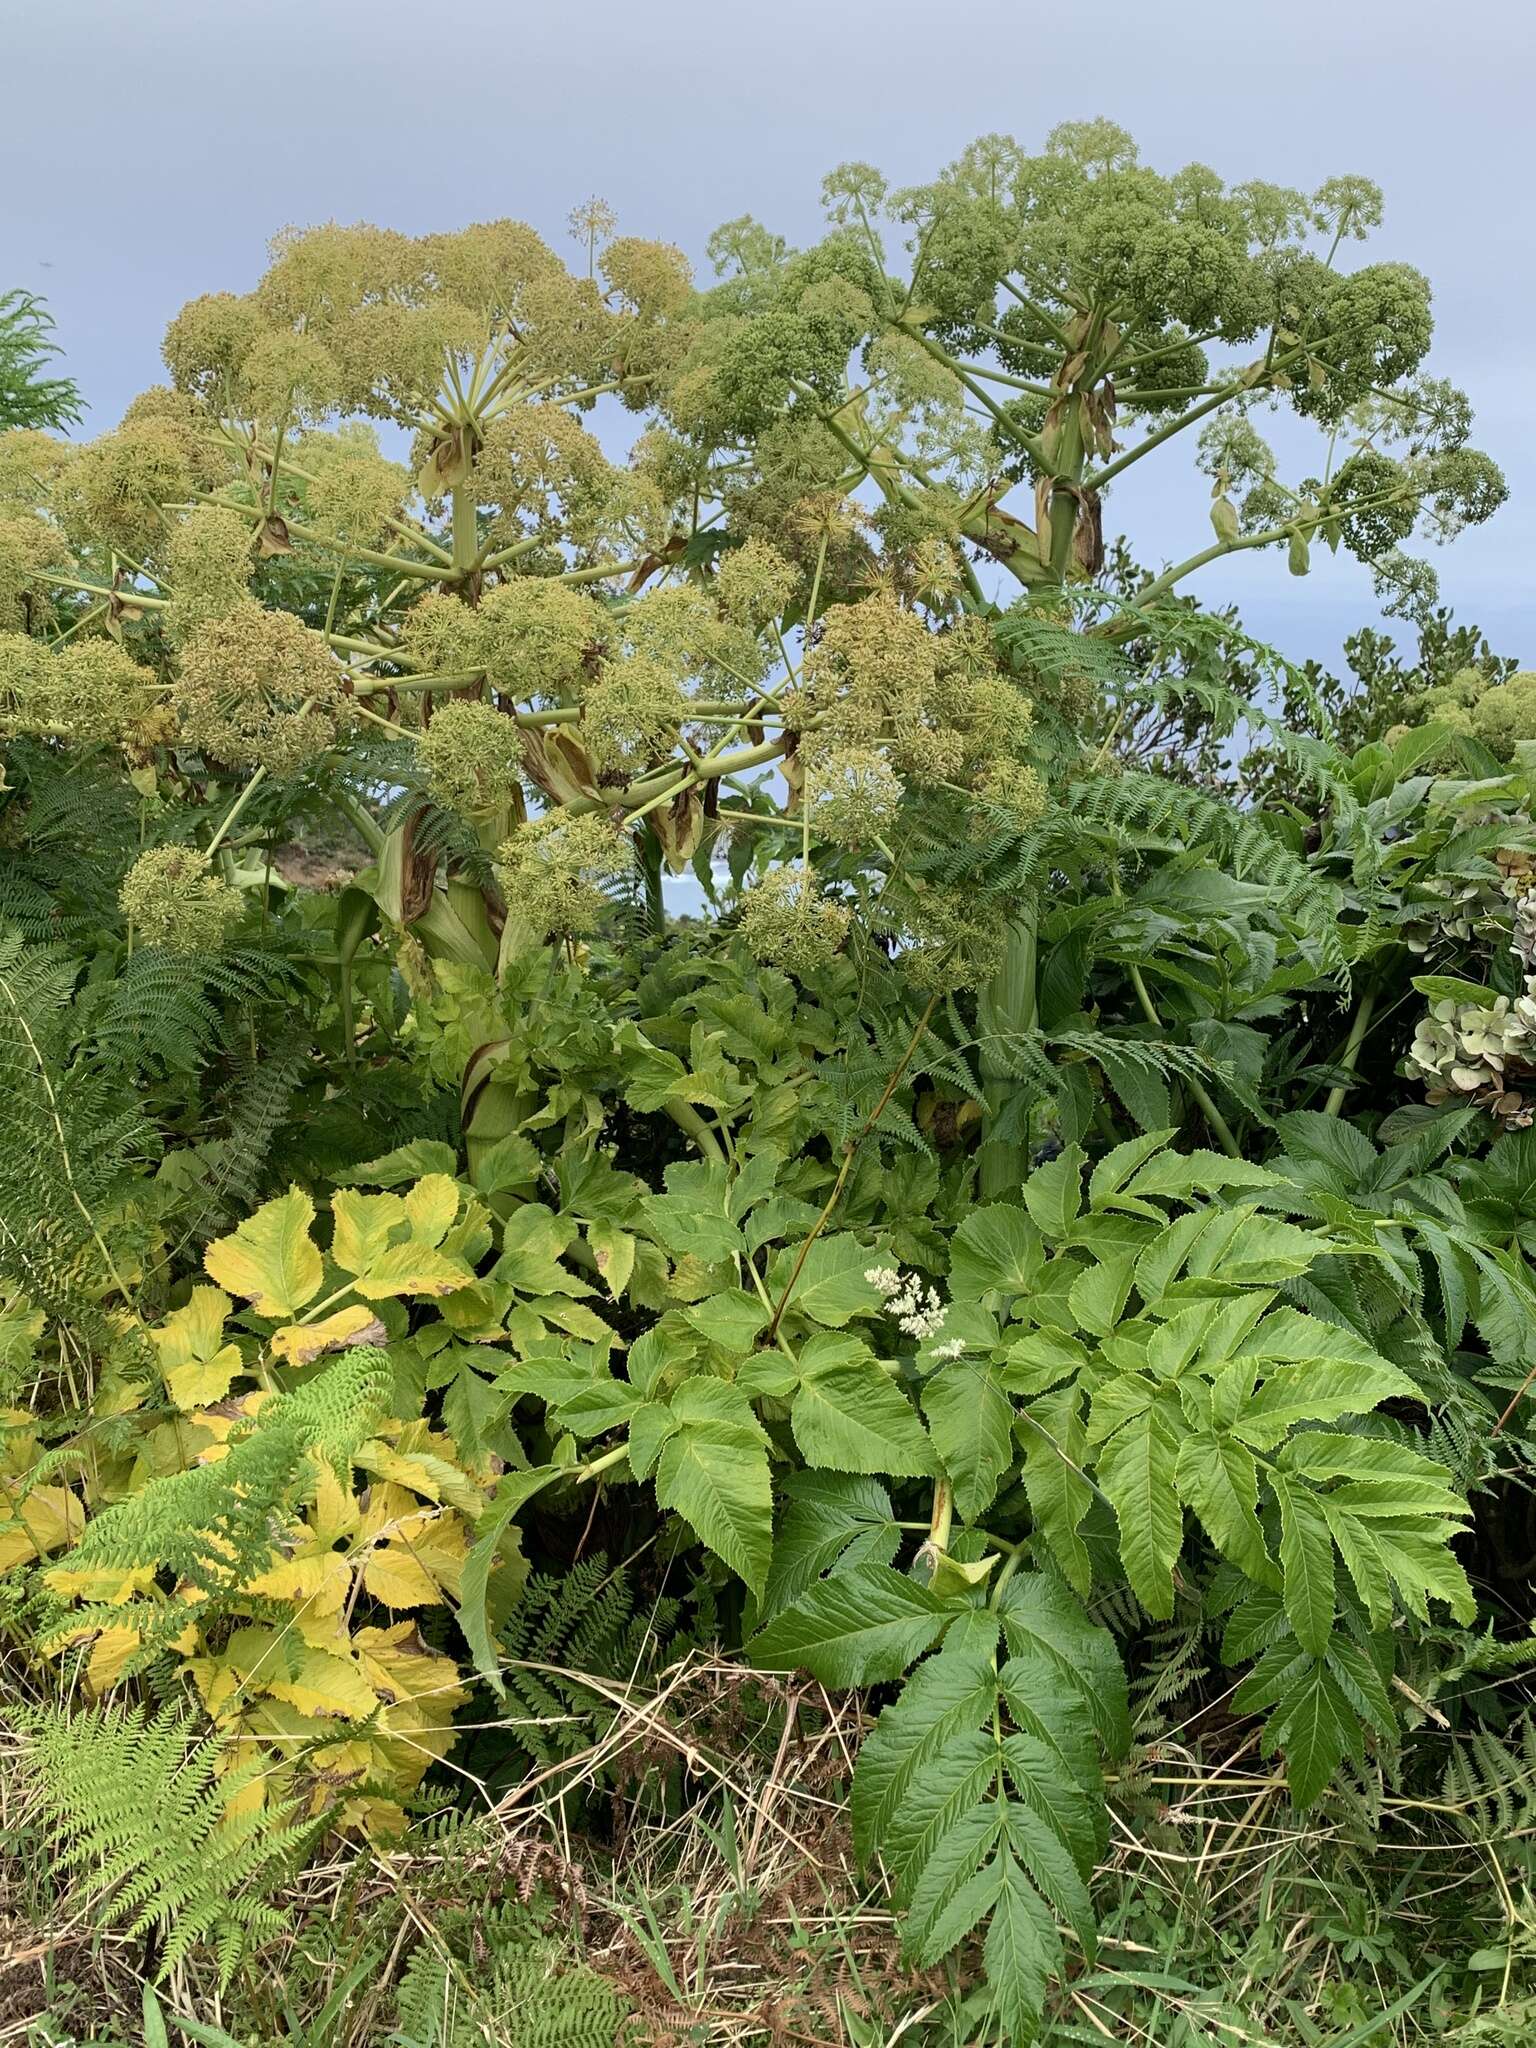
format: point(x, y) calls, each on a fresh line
point(144, 1816)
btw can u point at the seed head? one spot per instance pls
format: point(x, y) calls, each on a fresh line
point(355, 489)
point(853, 793)
point(91, 692)
point(206, 345)
point(472, 757)
point(755, 583)
point(208, 563)
point(787, 921)
point(552, 870)
point(630, 712)
point(27, 545)
point(258, 689)
point(172, 900)
point(121, 481)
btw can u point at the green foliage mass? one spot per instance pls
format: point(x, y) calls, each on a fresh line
point(1028, 1280)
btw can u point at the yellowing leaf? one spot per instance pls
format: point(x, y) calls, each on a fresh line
point(431, 1206)
point(106, 1585)
point(334, 1511)
point(364, 1224)
point(47, 1519)
point(317, 1580)
point(271, 1259)
point(413, 1268)
point(301, 1342)
point(422, 1560)
point(195, 1363)
point(109, 1653)
point(315, 1681)
point(421, 1689)
point(425, 1473)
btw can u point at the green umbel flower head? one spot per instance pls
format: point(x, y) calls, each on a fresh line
point(172, 900)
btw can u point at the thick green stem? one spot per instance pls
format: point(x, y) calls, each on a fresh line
point(650, 871)
point(1359, 1025)
point(1220, 1129)
point(1006, 1007)
point(466, 539)
point(235, 809)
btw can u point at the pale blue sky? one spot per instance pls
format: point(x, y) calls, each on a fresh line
point(149, 151)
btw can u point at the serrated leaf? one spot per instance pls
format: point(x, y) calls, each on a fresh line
point(713, 1471)
point(732, 1319)
point(1097, 1298)
point(195, 1363)
point(1314, 1726)
point(270, 1259)
point(970, 1420)
point(1218, 1478)
point(362, 1227)
point(828, 1521)
point(831, 1288)
point(1055, 1450)
point(1136, 1470)
point(1053, 1193)
point(513, 1489)
point(848, 1415)
point(946, 1698)
point(996, 1250)
point(861, 1627)
point(1117, 1166)
point(614, 1251)
point(413, 1268)
point(1306, 1559)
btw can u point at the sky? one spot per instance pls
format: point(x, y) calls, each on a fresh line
point(149, 153)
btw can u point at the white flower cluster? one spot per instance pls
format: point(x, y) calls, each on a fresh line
point(1482, 1053)
point(917, 1309)
point(1522, 901)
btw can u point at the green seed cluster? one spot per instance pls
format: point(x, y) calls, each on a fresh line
point(28, 545)
point(853, 793)
point(88, 693)
point(472, 757)
point(552, 871)
point(208, 565)
point(258, 689)
point(787, 921)
point(172, 900)
point(630, 714)
point(532, 637)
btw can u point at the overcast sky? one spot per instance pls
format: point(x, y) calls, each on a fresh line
point(149, 151)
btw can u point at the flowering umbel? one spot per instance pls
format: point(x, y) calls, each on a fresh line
point(258, 689)
point(552, 871)
point(171, 899)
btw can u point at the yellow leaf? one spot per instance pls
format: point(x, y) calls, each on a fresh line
point(432, 1205)
point(271, 1258)
point(109, 1653)
point(301, 1342)
point(48, 1518)
point(397, 1578)
point(421, 1690)
point(422, 1559)
point(318, 1581)
point(196, 1365)
point(334, 1512)
point(424, 1473)
point(363, 1227)
point(315, 1681)
point(413, 1268)
point(105, 1585)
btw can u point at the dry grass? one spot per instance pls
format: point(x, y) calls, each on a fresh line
point(730, 1911)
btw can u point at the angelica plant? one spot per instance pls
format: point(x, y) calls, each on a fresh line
point(783, 625)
